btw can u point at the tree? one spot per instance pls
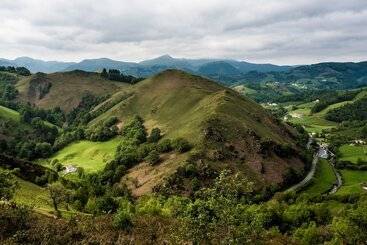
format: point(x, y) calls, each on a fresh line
point(155, 135)
point(58, 195)
point(9, 93)
point(104, 73)
point(8, 184)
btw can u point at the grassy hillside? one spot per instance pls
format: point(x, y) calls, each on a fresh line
point(312, 122)
point(316, 122)
point(64, 89)
point(89, 155)
point(215, 119)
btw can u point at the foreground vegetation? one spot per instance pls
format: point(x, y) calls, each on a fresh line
point(210, 190)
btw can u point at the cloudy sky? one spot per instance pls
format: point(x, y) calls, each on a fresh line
point(274, 31)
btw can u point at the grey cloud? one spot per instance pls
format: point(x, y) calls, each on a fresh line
point(256, 30)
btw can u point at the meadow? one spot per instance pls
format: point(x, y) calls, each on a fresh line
point(353, 153)
point(352, 181)
point(92, 156)
point(323, 180)
point(313, 123)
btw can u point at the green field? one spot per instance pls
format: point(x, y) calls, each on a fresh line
point(9, 113)
point(323, 180)
point(314, 123)
point(92, 156)
point(38, 198)
point(353, 153)
point(352, 180)
point(32, 195)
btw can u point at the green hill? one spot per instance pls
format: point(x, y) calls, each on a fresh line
point(226, 129)
point(63, 89)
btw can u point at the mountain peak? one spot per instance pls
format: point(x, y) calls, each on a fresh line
point(166, 56)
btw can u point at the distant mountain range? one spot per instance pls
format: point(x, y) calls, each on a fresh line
point(205, 67)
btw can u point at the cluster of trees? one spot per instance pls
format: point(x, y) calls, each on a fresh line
point(28, 113)
point(136, 146)
point(116, 75)
point(9, 93)
point(81, 114)
point(103, 132)
point(349, 112)
point(17, 70)
point(27, 141)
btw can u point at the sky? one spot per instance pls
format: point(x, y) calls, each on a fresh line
point(262, 31)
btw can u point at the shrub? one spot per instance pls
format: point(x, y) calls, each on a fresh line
point(105, 204)
point(7, 184)
point(124, 215)
point(152, 158)
point(164, 146)
point(181, 145)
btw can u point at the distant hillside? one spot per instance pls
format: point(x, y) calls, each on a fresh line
point(35, 65)
point(142, 69)
point(299, 83)
point(226, 129)
point(93, 65)
point(63, 89)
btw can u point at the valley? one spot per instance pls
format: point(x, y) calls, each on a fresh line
point(134, 154)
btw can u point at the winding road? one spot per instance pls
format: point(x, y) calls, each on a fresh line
point(308, 176)
point(312, 170)
point(322, 152)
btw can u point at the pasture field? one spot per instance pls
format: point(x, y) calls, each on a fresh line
point(92, 156)
point(32, 195)
point(353, 153)
point(352, 181)
point(323, 180)
point(38, 198)
point(313, 123)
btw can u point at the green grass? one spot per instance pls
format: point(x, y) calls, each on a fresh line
point(32, 195)
point(9, 114)
point(92, 156)
point(38, 198)
point(323, 180)
point(313, 123)
point(352, 180)
point(353, 152)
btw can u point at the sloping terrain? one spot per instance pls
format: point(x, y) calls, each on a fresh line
point(226, 129)
point(63, 90)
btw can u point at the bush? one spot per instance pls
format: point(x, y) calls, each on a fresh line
point(124, 215)
point(164, 146)
point(181, 145)
point(105, 204)
point(152, 158)
point(7, 184)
